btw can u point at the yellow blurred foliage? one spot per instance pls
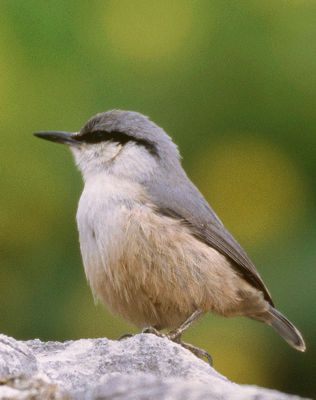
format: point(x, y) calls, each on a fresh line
point(147, 31)
point(253, 186)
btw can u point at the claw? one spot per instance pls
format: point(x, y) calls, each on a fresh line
point(175, 336)
point(125, 336)
point(198, 352)
point(154, 331)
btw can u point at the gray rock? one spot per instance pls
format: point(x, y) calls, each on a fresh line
point(16, 358)
point(141, 367)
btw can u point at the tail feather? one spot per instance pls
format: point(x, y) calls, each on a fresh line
point(286, 329)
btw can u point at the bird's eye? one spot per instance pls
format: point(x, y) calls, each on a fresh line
point(98, 135)
point(92, 137)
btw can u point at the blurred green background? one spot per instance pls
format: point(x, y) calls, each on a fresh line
point(234, 83)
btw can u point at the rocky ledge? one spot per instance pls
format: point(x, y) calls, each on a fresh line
point(140, 367)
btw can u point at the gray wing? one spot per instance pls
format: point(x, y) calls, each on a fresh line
point(181, 199)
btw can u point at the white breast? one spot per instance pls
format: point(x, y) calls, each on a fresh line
point(102, 217)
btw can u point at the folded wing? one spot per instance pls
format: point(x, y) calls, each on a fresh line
point(181, 199)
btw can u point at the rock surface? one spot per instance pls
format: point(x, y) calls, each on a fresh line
point(141, 367)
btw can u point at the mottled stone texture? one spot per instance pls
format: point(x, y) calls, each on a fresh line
point(141, 367)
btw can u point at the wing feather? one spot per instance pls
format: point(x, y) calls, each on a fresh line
point(183, 201)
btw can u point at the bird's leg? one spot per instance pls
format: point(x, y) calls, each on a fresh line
point(198, 352)
point(175, 336)
point(176, 333)
point(154, 331)
point(148, 329)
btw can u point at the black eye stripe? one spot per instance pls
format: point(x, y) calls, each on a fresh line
point(118, 137)
point(102, 136)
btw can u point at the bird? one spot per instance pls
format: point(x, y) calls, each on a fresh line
point(153, 249)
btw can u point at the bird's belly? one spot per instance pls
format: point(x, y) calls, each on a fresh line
point(151, 270)
point(127, 273)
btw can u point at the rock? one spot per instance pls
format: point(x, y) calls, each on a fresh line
point(140, 367)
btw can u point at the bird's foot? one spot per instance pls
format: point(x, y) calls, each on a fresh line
point(154, 331)
point(125, 336)
point(175, 336)
point(198, 352)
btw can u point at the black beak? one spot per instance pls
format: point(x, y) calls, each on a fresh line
point(58, 137)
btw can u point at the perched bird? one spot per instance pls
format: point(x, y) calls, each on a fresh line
point(153, 249)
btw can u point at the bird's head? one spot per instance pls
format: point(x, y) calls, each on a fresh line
point(123, 143)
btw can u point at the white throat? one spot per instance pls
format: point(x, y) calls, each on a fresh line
point(127, 162)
